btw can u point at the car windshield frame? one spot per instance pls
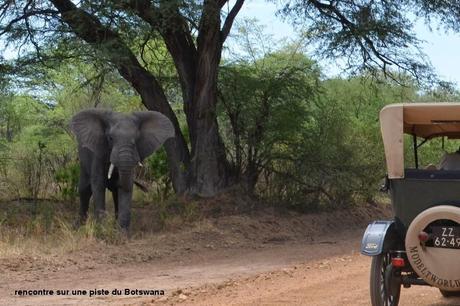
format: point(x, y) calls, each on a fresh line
point(423, 120)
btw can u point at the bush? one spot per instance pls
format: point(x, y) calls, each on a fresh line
point(67, 179)
point(303, 142)
point(27, 170)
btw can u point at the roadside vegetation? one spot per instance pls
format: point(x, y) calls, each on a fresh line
point(293, 138)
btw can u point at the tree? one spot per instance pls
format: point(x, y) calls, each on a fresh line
point(372, 36)
point(264, 96)
point(202, 169)
point(194, 33)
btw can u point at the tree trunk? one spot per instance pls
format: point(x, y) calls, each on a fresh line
point(209, 169)
point(197, 68)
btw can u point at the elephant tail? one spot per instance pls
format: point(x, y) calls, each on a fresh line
point(141, 186)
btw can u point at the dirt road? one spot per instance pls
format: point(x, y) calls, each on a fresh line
point(327, 270)
point(336, 280)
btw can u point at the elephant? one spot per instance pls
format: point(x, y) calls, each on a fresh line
point(110, 146)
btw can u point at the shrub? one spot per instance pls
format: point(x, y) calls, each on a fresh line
point(67, 178)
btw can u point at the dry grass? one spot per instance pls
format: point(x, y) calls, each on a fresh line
point(46, 229)
point(43, 235)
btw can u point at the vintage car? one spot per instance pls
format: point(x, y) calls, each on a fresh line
point(420, 245)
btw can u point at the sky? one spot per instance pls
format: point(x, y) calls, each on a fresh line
point(443, 50)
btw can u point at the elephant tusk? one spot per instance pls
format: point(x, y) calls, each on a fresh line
point(140, 164)
point(109, 175)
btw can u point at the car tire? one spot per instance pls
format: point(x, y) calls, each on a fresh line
point(379, 293)
point(447, 294)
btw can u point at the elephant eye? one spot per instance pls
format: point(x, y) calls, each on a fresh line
point(109, 138)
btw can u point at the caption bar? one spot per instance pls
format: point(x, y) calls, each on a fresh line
point(89, 293)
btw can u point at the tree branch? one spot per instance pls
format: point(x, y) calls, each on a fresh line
point(230, 18)
point(174, 29)
point(369, 50)
point(221, 3)
point(26, 15)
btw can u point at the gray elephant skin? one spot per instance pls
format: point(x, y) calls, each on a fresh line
point(110, 146)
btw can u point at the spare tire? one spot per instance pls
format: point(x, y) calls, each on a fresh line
point(439, 267)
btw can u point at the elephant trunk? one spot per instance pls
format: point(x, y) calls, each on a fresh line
point(126, 180)
point(125, 157)
point(124, 208)
point(125, 193)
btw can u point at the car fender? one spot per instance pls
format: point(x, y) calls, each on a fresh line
point(374, 237)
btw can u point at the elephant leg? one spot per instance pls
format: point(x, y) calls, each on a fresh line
point(124, 208)
point(84, 191)
point(85, 195)
point(98, 189)
point(115, 202)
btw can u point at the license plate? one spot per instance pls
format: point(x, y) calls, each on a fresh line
point(446, 237)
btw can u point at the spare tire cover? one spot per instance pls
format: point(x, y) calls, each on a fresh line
point(439, 267)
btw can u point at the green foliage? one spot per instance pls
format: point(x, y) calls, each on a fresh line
point(292, 136)
point(443, 92)
point(338, 158)
point(77, 85)
point(158, 165)
point(156, 170)
point(39, 153)
point(29, 165)
point(299, 140)
point(67, 180)
point(263, 104)
point(36, 152)
point(307, 143)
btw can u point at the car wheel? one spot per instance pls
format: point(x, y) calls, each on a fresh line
point(447, 294)
point(380, 295)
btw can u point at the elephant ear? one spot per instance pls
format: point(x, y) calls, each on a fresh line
point(155, 128)
point(90, 126)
